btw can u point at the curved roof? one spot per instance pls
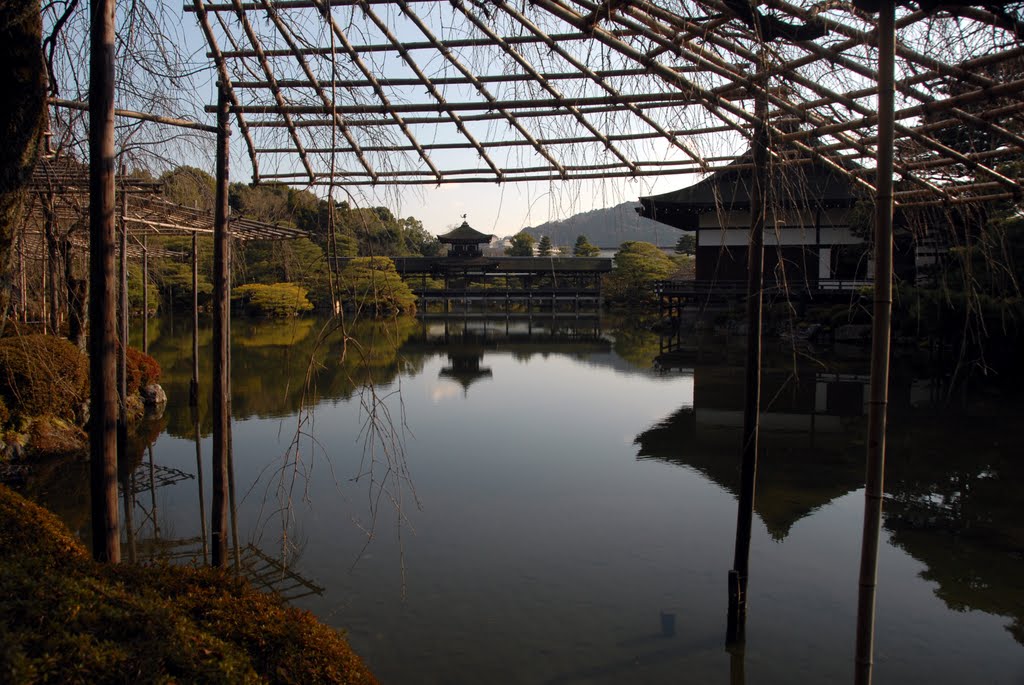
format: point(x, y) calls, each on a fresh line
point(464, 234)
point(809, 185)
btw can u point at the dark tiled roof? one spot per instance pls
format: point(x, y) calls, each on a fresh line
point(809, 184)
point(464, 234)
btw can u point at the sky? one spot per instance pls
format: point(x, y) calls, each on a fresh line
point(506, 209)
point(500, 209)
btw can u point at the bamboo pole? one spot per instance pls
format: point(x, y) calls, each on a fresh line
point(106, 541)
point(752, 385)
point(199, 477)
point(880, 337)
point(129, 114)
point(145, 294)
point(122, 350)
point(22, 280)
point(152, 493)
point(221, 388)
point(232, 502)
point(52, 269)
point(193, 389)
point(128, 501)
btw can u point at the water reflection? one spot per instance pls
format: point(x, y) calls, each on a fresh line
point(578, 504)
point(810, 424)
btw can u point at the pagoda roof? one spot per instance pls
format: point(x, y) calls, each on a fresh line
point(464, 234)
point(799, 184)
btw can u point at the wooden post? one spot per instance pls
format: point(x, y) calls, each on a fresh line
point(193, 389)
point(128, 501)
point(880, 337)
point(232, 502)
point(152, 493)
point(106, 541)
point(752, 384)
point(22, 281)
point(122, 350)
point(51, 276)
point(221, 389)
point(199, 478)
point(145, 293)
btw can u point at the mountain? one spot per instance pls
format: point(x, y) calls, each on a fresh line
point(608, 227)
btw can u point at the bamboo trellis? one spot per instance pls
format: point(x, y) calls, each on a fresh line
point(471, 91)
point(65, 184)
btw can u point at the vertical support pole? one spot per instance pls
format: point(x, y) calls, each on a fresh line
point(752, 384)
point(51, 275)
point(145, 293)
point(880, 338)
point(22, 281)
point(152, 494)
point(199, 479)
point(122, 350)
point(128, 497)
point(106, 540)
point(193, 388)
point(44, 316)
point(221, 389)
point(232, 502)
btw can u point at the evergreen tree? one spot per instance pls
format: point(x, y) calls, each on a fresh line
point(583, 248)
point(637, 266)
point(522, 246)
point(544, 247)
point(687, 244)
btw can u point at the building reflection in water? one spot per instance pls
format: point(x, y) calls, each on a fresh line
point(952, 475)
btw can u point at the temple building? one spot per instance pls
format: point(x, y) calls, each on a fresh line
point(464, 241)
point(809, 241)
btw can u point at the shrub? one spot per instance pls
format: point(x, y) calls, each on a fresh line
point(277, 299)
point(65, 618)
point(374, 283)
point(637, 266)
point(142, 370)
point(42, 374)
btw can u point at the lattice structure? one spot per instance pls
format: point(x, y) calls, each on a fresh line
point(350, 92)
point(271, 575)
point(61, 186)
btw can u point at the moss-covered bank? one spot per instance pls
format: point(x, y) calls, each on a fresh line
point(67, 619)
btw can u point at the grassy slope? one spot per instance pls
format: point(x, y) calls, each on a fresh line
point(67, 619)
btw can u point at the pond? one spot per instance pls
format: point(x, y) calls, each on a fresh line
point(555, 502)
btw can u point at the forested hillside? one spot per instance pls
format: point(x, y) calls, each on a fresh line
point(357, 232)
point(606, 228)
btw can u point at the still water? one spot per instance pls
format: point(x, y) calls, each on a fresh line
point(537, 503)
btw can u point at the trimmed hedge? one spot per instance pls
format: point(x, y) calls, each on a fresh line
point(42, 374)
point(142, 370)
point(65, 618)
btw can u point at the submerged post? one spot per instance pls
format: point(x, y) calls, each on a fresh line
point(145, 293)
point(221, 388)
point(752, 383)
point(122, 350)
point(880, 337)
point(106, 541)
point(193, 388)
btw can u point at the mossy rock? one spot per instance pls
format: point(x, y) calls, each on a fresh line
point(65, 618)
point(42, 374)
point(50, 436)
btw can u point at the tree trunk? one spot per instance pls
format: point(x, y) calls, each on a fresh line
point(22, 109)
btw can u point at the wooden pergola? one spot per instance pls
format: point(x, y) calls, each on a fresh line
point(433, 92)
point(357, 92)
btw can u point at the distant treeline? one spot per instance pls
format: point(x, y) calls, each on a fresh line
point(303, 261)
